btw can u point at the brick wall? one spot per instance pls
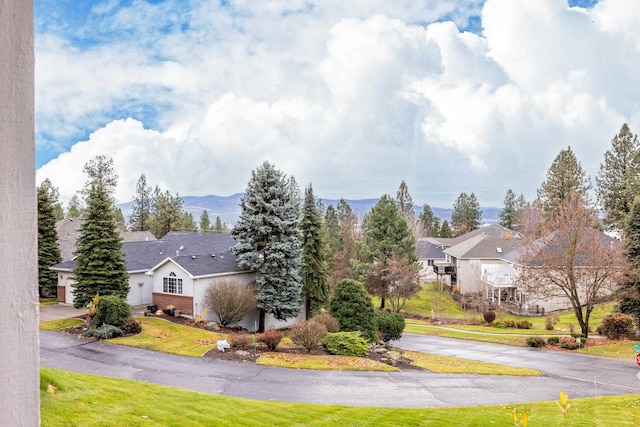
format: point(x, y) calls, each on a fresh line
point(181, 302)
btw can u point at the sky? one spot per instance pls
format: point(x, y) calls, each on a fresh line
point(352, 97)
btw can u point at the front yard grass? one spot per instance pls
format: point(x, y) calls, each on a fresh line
point(60, 324)
point(168, 337)
point(82, 399)
point(315, 362)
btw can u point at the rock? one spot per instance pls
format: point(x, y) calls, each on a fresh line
point(159, 313)
point(242, 353)
point(212, 326)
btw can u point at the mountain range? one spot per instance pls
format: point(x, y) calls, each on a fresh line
point(228, 208)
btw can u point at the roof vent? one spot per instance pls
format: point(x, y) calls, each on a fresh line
point(499, 250)
point(193, 257)
point(213, 255)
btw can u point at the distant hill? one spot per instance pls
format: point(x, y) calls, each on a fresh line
point(228, 208)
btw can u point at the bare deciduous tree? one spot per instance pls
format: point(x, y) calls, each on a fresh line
point(572, 260)
point(229, 300)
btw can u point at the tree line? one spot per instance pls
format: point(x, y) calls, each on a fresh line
point(302, 249)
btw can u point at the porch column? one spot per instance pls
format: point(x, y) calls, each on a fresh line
point(19, 374)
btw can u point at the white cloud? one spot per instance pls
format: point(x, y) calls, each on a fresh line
point(351, 96)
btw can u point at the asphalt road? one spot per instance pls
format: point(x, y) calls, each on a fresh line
point(576, 375)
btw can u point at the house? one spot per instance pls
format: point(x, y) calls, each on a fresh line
point(429, 255)
point(475, 266)
point(68, 230)
point(176, 270)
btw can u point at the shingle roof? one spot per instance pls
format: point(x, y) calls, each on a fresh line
point(485, 247)
point(192, 251)
point(426, 249)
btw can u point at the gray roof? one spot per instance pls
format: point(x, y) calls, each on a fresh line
point(192, 251)
point(485, 247)
point(68, 230)
point(494, 230)
point(425, 249)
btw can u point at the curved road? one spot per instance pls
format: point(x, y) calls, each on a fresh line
point(576, 375)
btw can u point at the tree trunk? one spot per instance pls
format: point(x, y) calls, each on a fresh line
point(261, 321)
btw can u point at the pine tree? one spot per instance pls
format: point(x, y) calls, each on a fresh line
point(386, 234)
point(100, 266)
point(166, 213)
point(187, 223)
point(429, 223)
point(512, 210)
point(269, 242)
point(74, 209)
point(630, 288)
point(405, 202)
point(219, 227)
point(466, 214)
point(119, 217)
point(618, 177)
point(445, 230)
point(314, 270)
point(563, 177)
point(48, 249)
point(141, 208)
point(205, 223)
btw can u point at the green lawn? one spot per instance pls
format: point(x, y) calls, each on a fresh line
point(88, 400)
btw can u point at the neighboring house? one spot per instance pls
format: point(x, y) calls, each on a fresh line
point(176, 270)
point(68, 230)
point(475, 266)
point(429, 254)
point(530, 301)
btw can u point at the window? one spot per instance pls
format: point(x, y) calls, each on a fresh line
point(430, 262)
point(171, 284)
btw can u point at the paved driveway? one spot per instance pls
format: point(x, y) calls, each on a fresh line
point(576, 375)
point(58, 311)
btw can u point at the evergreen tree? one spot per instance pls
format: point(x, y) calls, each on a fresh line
point(466, 214)
point(166, 213)
point(405, 202)
point(445, 230)
point(48, 249)
point(269, 242)
point(386, 234)
point(618, 177)
point(630, 288)
point(219, 227)
point(563, 177)
point(314, 256)
point(100, 266)
point(352, 306)
point(332, 225)
point(101, 173)
point(512, 210)
point(74, 210)
point(187, 223)
point(429, 222)
point(141, 208)
point(205, 223)
point(119, 217)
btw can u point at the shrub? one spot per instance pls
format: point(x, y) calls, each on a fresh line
point(240, 340)
point(489, 316)
point(553, 340)
point(616, 325)
point(308, 334)
point(550, 322)
point(130, 326)
point(352, 306)
point(103, 332)
point(390, 325)
point(346, 344)
point(576, 334)
point(329, 322)
point(535, 342)
point(523, 324)
point(271, 338)
point(569, 345)
point(498, 324)
point(230, 300)
point(111, 310)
